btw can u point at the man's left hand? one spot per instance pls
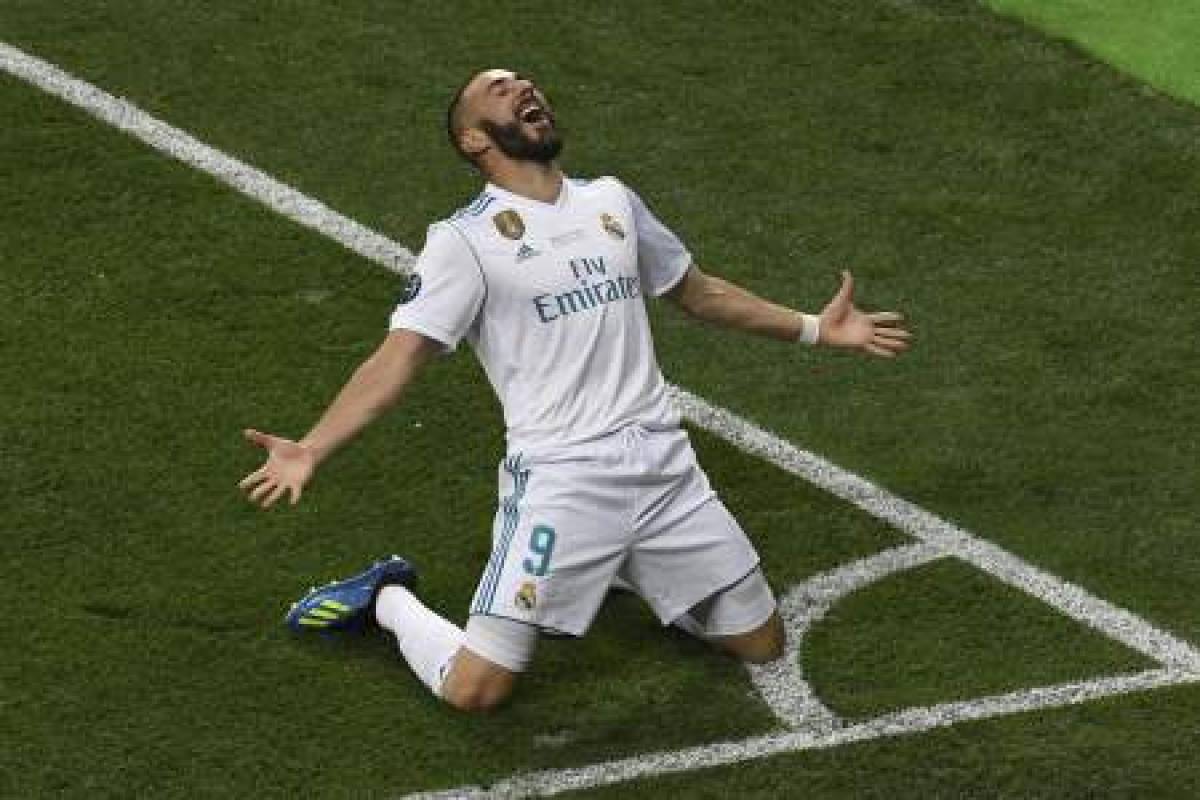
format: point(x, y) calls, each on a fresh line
point(879, 333)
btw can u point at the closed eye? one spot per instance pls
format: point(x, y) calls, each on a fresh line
point(503, 86)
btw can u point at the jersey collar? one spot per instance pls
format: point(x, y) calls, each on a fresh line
point(511, 197)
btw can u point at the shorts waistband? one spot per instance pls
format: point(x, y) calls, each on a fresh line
point(621, 440)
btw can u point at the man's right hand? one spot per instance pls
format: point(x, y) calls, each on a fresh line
point(289, 466)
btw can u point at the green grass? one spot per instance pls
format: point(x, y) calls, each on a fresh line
point(1152, 39)
point(916, 640)
point(1136, 747)
point(1031, 209)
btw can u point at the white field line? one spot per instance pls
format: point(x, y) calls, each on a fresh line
point(254, 183)
point(1182, 658)
point(1071, 600)
point(781, 683)
point(908, 721)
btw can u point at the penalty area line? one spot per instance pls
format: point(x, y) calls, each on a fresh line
point(252, 182)
point(899, 723)
point(1067, 598)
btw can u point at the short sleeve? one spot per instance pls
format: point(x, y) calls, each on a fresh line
point(445, 291)
point(663, 259)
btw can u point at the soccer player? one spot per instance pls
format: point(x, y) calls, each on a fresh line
point(544, 276)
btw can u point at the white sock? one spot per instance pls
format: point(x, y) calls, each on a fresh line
point(427, 642)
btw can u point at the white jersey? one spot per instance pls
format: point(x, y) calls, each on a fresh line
point(550, 296)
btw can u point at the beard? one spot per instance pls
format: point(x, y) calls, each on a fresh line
point(513, 142)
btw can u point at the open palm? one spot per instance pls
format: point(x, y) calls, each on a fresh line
point(288, 467)
point(879, 333)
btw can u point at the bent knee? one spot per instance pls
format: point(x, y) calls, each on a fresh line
point(764, 652)
point(476, 698)
point(760, 646)
point(476, 685)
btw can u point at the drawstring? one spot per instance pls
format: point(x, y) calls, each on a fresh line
point(633, 437)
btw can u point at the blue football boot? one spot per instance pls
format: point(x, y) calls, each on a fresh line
point(349, 604)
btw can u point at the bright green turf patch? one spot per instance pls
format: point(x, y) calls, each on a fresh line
point(1154, 40)
point(915, 640)
point(1034, 212)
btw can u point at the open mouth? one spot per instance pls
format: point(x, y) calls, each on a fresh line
point(532, 112)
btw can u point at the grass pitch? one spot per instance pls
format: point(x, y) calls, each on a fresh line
point(1032, 210)
point(1153, 40)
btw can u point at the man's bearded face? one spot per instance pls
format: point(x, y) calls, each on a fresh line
point(520, 144)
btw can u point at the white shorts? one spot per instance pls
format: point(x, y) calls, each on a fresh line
point(634, 504)
point(743, 607)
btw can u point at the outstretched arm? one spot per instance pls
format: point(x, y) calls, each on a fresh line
point(375, 386)
point(711, 299)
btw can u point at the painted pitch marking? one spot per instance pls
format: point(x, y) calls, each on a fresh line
point(1069, 599)
point(908, 721)
point(1182, 660)
point(277, 196)
point(781, 683)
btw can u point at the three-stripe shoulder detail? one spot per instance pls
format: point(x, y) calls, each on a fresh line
point(477, 207)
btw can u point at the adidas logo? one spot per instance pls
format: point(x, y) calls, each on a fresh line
point(525, 252)
point(324, 614)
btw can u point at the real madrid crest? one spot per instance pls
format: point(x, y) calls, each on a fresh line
point(526, 598)
point(610, 224)
point(510, 224)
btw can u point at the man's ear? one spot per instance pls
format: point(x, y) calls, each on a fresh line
point(474, 142)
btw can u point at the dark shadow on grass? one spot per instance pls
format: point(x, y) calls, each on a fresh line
point(134, 616)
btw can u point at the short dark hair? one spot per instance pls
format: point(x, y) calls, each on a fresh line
point(454, 120)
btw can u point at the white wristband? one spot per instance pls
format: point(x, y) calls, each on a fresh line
point(810, 329)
